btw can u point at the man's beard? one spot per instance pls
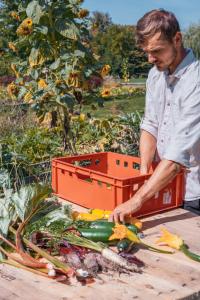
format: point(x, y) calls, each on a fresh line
point(165, 67)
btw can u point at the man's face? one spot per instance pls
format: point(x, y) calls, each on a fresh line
point(160, 52)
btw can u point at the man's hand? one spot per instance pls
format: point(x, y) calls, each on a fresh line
point(125, 209)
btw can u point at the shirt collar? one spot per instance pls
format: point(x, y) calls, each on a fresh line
point(182, 67)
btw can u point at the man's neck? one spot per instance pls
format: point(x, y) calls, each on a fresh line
point(180, 56)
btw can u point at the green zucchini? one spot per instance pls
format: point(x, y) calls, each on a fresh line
point(104, 225)
point(123, 245)
point(96, 235)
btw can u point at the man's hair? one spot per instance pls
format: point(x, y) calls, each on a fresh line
point(157, 20)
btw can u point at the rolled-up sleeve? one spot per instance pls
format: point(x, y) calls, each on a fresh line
point(149, 122)
point(185, 140)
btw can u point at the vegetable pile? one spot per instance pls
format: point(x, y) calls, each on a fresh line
point(41, 235)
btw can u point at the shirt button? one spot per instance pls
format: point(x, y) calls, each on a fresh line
point(168, 104)
point(164, 123)
point(162, 141)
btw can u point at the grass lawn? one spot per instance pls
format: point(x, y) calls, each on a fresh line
point(138, 80)
point(115, 106)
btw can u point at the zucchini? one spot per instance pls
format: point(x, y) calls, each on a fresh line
point(123, 245)
point(103, 225)
point(96, 235)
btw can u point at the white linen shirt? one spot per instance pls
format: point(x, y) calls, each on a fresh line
point(172, 116)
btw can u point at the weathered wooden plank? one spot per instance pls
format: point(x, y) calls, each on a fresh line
point(166, 277)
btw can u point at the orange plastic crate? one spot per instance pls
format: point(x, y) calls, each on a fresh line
point(105, 180)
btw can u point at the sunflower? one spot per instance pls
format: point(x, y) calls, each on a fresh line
point(42, 84)
point(27, 23)
point(12, 89)
point(74, 79)
point(26, 27)
point(28, 97)
point(83, 13)
point(105, 93)
point(105, 70)
point(12, 47)
point(14, 15)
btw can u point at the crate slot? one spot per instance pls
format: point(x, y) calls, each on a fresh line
point(136, 166)
point(84, 177)
point(99, 183)
point(82, 163)
point(108, 186)
point(125, 164)
point(117, 162)
point(97, 162)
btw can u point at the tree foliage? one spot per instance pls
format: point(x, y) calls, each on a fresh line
point(100, 21)
point(192, 39)
point(117, 44)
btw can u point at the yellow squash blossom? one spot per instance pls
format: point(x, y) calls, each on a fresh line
point(83, 216)
point(122, 232)
point(105, 70)
point(169, 239)
point(176, 242)
point(105, 93)
point(105, 214)
point(42, 84)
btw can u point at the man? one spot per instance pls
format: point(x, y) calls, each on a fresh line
point(170, 129)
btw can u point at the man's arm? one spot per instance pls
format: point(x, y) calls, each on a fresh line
point(147, 151)
point(163, 174)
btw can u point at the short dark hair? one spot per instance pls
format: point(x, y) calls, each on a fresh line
point(157, 20)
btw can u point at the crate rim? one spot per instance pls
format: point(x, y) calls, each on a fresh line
point(57, 160)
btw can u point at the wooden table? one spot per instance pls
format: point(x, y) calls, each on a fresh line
point(165, 276)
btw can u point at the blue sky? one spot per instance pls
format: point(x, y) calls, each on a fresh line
point(129, 11)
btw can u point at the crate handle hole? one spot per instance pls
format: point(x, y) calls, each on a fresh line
point(63, 171)
point(99, 183)
point(97, 162)
point(117, 162)
point(85, 163)
point(136, 166)
point(108, 186)
point(125, 164)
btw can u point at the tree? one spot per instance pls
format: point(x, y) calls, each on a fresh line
point(192, 39)
point(100, 21)
point(116, 45)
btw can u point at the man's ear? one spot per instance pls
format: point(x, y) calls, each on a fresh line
point(178, 39)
